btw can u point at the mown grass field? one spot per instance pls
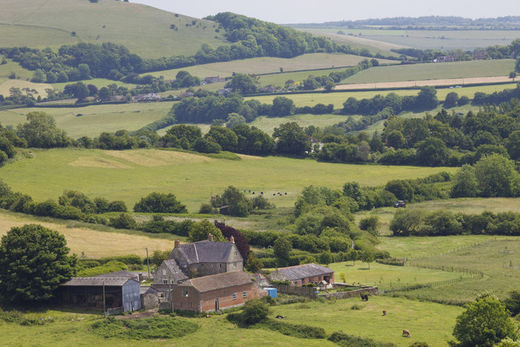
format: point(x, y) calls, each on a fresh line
point(36, 89)
point(478, 68)
point(267, 65)
point(98, 82)
point(144, 30)
point(93, 120)
point(129, 175)
point(92, 241)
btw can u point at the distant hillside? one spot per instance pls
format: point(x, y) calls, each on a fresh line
point(144, 30)
point(430, 22)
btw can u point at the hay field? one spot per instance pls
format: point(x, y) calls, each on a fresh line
point(129, 175)
point(88, 242)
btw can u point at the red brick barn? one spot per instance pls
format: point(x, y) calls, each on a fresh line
point(215, 292)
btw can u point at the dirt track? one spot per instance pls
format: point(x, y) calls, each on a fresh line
point(423, 83)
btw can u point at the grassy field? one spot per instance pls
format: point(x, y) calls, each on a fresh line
point(478, 68)
point(11, 66)
point(423, 39)
point(427, 322)
point(497, 259)
point(462, 205)
point(338, 98)
point(129, 175)
point(92, 241)
point(95, 119)
point(142, 29)
point(265, 65)
point(40, 88)
point(98, 82)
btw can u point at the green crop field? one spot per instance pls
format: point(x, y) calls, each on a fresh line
point(129, 175)
point(414, 72)
point(266, 65)
point(92, 241)
point(93, 120)
point(142, 29)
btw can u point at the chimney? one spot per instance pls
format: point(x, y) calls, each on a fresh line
point(177, 244)
point(210, 237)
point(232, 239)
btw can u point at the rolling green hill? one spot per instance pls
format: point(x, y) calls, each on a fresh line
point(144, 30)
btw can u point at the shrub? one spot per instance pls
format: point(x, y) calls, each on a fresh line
point(296, 330)
point(123, 221)
point(147, 328)
point(160, 203)
point(346, 340)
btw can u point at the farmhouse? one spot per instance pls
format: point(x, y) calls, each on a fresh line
point(303, 274)
point(119, 293)
point(207, 257)
point(169, 273)
point(215, 292)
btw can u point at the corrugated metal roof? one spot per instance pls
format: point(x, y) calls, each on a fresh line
point(123, 273)
point(297, 272)
point(206, 251)
point(218, 281)
point(97, 281)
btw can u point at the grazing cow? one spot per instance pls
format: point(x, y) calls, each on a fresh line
point(280, 317)
point(384, 312)
point(406, 333)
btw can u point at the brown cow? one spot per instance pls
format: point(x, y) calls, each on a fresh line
point(406, 333)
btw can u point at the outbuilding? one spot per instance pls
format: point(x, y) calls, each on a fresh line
point(303, 274)
point(117, 293)
point(215, 292)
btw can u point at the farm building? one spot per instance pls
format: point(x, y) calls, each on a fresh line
point(207, 257)
point(303, 274)
point(149, 298)
point(119, 293)
point(169, 273)
point(215, 292)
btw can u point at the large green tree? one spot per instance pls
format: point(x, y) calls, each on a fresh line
point(282, 248)
point(40, 131)
point(200, 231)
point(465, 183)
point(160, 203)
point(496, 176)
point(33, 261)
point(484, 323)
point(292, 139)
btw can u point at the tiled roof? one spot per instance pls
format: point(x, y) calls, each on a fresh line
point(206, 251)
point(219, 281)
point(292, 273)
point(178, 275)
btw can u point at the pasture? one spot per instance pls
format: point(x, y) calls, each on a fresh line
point(92, 241)
point(26, 87)
point(413, 72)
point(427, 322)
point(194, 178)
point(144, 30)
point(10, 67)
point(93, 120)
point(461, 205)
point(268, 65)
